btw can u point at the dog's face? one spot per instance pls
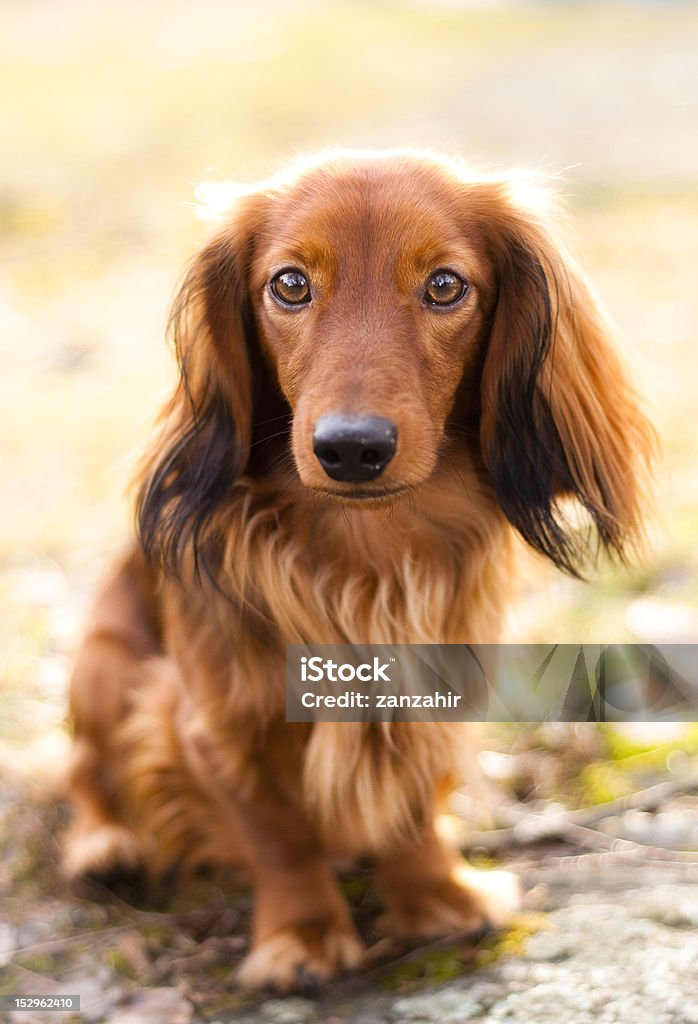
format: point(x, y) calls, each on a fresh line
point(371, 287)
point(366, 314)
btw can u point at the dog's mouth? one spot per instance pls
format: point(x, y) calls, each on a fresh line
point(365, 497)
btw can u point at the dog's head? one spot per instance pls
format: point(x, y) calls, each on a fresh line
point(370, 309)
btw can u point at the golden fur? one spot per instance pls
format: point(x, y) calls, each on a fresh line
point(505, 402)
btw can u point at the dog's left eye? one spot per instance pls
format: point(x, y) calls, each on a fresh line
point(291, 287)
point(444, 288)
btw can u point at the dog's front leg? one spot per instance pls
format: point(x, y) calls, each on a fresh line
point(302, 931)
point(430, 891)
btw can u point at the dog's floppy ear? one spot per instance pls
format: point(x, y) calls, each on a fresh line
point(206, 429)
point(559, 416)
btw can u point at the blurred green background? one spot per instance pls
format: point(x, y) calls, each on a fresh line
point(111, 116)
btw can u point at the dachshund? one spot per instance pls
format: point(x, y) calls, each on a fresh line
point(389, 368)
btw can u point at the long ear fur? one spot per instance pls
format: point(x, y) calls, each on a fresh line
point(559, 416)
point(206, 429)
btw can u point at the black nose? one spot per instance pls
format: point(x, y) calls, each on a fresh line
point(354, 448)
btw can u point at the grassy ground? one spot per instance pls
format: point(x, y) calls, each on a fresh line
point(113, 113)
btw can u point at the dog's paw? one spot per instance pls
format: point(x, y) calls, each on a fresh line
point(102, 853)
point(466, 902)
point(300, 958)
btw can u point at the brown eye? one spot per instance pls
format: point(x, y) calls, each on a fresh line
point(291, 287)
point(444, 288)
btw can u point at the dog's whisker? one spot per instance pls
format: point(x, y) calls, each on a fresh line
point(267, 438)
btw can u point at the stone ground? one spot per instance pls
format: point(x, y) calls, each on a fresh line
point(612, 956)
point(600, 939)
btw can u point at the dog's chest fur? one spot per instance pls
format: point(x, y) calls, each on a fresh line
point(436, 568)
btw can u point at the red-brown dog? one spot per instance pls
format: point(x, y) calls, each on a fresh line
point(387, 369)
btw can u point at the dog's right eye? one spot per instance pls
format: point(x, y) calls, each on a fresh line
point(290, 287)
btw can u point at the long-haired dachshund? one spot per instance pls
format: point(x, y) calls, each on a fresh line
point(388, 369)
